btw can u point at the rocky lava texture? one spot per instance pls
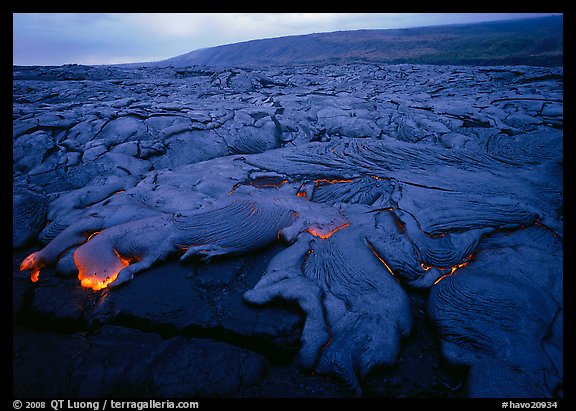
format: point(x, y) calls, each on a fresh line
point(204, 231)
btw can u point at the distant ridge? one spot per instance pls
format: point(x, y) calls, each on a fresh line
point(534, 41)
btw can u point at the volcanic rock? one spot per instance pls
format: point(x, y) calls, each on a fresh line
point(285, 214)
point(123, 362)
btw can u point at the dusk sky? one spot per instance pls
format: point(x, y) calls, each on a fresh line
point(109, 38)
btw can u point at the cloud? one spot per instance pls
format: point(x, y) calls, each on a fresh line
point(85, 38)
point(220, 28)
point(89, 38)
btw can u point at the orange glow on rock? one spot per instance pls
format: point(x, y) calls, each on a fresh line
point(441, 278)
point(383, 262)
point(234, 187)
point(95, 284)
point(457, 266)
point(317, 232)
point(334, 181)
point(92, 235)
point(453, 269)
point(33, 263)
point(301, 194)
point(99, 280)
point(34, 275)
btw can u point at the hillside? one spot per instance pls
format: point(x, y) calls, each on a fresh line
point(535, 42)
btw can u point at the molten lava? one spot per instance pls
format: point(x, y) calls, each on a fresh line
point(383, 261)
point(334, 181)
point(234, 187)
point(318, 232)
point(100, 278)
point(93, 234)
point(33, 263)
point(452, 269)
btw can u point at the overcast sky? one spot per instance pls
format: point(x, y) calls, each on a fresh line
point(108, 38)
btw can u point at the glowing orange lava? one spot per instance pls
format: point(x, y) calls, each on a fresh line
point(34, 275)
point(334, 181)
point(93, 234)
point(93, 280)
point(383, 262)
point(96, 284)
point(317, 232)
point(441, 278)
point(234, 187)
point(452, 270)
point(33, 263)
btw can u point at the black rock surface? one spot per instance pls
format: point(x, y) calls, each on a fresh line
point(124, 362)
